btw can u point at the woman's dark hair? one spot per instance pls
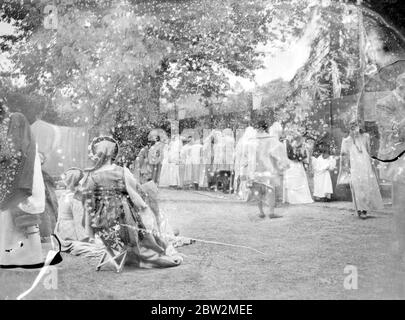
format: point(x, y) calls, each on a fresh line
point(262, 124)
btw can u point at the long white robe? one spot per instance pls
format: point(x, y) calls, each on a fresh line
point(219, 152)
point(206, 162)
point(322, 180)
point(184, 155)
point(174, 161)
point(164, 180)
point(193, 162)
point(295, 184)
point(271, 160)
point(229, 149)
point(15, 247)
point(246, 161)
point(239, 154)
point(364, 183)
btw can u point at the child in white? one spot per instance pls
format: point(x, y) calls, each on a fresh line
point(322, 165)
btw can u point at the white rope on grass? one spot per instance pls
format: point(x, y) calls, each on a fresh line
point(195, 239)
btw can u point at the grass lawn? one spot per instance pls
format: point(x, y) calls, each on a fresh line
point(306, 253)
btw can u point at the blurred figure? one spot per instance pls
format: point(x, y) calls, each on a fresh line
point(219, 151)
point(271, 161)
point(143, 169)
point(322, 163)
point(391, 123)
point(22, 199)
point(71, 225)
point(193, 161)
point(120, 216)
point(229, 157)
point(50, 216)
point(296, 187)
point(174, 160)
point(355, 159)
point(164, 179)
point(183, 159)
point(155, 158)
point(229, 149)
point(245, 161)
point(207, 173)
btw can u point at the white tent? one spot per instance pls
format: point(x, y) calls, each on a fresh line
point(63, 147)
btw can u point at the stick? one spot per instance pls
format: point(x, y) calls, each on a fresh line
point(194, 239)
point(226, 244)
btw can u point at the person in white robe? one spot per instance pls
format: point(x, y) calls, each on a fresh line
point(164, 179)
point(206, 172)
point(271, 161)
point(355, 159)
point(219, 152)
point(322, 165)
point(183, 160)
point(193, 162)
point(245, 161)
point(296, 187)
point(229, 149)
point(71, 224)
point(174, 160)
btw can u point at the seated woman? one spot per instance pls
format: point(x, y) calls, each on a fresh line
point(71, 222)
point(118, 214)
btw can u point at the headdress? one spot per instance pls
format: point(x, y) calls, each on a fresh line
point(72, 177)
point(108, 145)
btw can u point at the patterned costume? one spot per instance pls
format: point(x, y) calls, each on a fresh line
point(22, 196)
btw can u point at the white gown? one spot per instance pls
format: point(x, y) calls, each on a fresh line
point(247, 163)
point(229, 149)
point(11, 238)
point(206, 165)
point(174, 160)
point(322, 179)
point(296, 187)
point(193, 163)
point(164, 180)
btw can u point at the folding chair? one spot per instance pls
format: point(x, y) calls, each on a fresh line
point(111, 257)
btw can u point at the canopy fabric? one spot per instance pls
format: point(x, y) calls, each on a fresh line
point(63, 147)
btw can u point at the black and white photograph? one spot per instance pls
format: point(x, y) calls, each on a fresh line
point(203, 150)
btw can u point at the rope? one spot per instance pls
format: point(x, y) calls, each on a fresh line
point(145, 231)
point(390, 160)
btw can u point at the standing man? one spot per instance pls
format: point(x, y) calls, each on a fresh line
point(22, 196)
point(271, 161)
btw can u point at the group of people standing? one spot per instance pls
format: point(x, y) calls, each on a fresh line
point(119, 207)
point(186, 160)
point(296, 169)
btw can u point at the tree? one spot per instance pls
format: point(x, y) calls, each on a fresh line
point(107, 56)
